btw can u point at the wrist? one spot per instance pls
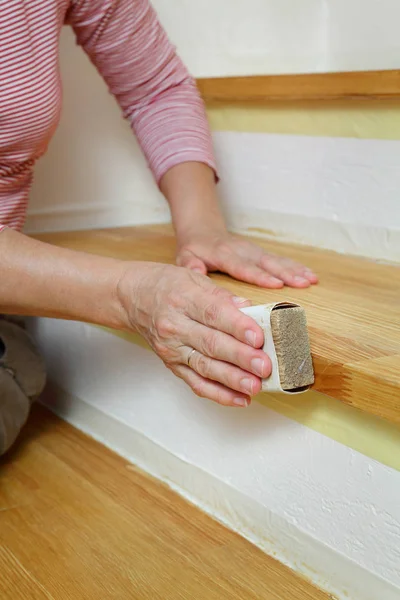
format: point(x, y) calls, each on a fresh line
point(191, 192)
point(207, 227)
point(136, 278)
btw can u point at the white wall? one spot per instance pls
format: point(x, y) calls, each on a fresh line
point(232, 37)
point(362, 35)
point(258, 37)
point(336, 193)
point(326, 510)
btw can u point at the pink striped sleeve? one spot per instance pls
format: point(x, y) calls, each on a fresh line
point(126, 42)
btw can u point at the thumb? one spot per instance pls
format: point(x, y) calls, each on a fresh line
point(187, 259)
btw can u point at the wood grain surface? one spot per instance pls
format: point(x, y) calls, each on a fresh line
point(353, 314)
point(369, 85)
point(79, 522)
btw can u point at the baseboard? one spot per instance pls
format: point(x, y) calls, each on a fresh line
point(95, 216)
point(375, 243)
point(325, 567)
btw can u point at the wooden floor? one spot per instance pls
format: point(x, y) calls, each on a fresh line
point(79, 522)
point(353, 314)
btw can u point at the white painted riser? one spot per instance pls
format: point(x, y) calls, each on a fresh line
point(324, 509)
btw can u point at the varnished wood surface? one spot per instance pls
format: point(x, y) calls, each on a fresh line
point(353, 314)
point(78, 522)
point(325, 86)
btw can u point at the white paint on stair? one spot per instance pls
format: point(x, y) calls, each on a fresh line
point(305, 494)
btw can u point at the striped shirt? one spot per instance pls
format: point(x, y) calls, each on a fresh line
point(127, 44)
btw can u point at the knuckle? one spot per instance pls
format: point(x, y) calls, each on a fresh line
point(204, 366)
point(287, 274)
point(221, 398)
point(174, 368)
point(224, 248)
point(165, 328)
point(219, 292)
point(210, 344)
point(198, 388)
point(175, 300)
point(212, 312)
point(162, 350)
point(268, 258)
point(185, 248)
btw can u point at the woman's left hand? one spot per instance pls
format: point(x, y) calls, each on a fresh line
point(241, 259)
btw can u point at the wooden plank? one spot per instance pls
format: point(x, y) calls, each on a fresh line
point(326, 86)
point(353, 314)
point(99, 528)
point(16, 582)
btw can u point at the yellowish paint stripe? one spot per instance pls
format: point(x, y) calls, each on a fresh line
point(360, 431)
point(364, 120)
point(365, 433)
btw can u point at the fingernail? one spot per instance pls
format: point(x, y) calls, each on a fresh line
point(197, 271)
point(275, 280)
point(250, 337)
point(300, 279)
point(258, 366)
point(240, 402)
point(247, 385)
point(309, 272)
point(238, 300)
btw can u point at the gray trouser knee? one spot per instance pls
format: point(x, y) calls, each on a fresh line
point(22, 379)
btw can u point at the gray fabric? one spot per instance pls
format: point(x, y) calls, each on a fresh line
point(14, 319)
point(22, 379)
point(22, 359)
point(14, 410)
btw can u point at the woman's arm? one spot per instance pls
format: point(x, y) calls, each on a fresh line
point(132, 52)
point(126, 42)
point(174, 309)
point(38, 279)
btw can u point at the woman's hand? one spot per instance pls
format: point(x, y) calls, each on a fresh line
point(220, 251)
point(204, 244)
point(178, 311)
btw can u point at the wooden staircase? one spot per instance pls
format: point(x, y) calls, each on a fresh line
point(353, 314)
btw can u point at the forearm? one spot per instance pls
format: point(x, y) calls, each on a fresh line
point(191, 192)
point(38, 279)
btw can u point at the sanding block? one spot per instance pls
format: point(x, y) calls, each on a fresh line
point(287, 344)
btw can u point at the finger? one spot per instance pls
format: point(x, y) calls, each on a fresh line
point(310, 275)
point(224, 294)
point(288, 271)
point(187, 259)
point(223, 347)
point(225, 373)
point(210, 389)
point(247, 271)
point(217, 312)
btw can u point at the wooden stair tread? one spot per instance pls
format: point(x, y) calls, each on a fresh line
point(353, 314)
point(78, 521)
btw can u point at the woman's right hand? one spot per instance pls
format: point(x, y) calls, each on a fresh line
point(178, 311)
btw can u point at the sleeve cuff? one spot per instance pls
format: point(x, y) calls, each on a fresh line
point(179, 158)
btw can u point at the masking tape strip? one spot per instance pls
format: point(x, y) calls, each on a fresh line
point(370, 120)
point(262, 316)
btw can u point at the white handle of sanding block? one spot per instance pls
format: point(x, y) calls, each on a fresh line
point(262, 316)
